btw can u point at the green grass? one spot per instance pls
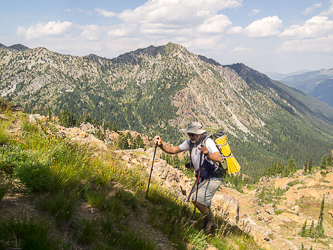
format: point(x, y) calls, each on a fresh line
point(23, 233)
point(62, 174)
point(60, 205)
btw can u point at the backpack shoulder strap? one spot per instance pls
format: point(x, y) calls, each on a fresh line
point(191, 147)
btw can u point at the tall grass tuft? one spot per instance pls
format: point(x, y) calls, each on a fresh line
point(4, 138)
point(60, 205)
point(86, 231)
point(23, 233)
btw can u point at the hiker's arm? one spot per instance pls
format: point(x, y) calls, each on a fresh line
point(166, 148)
point(211, 156)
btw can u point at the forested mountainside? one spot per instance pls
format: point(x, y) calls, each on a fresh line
point(158, 90)
point(318, 84)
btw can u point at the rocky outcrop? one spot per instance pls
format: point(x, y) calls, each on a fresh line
point(226, 207)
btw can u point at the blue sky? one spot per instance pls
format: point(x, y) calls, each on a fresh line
point(267, 35)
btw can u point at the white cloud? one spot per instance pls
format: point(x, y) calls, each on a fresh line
point(91, 32)
point(320, 44)
point(265, 27)
point(314, 27)
point(122, 30)
point(308, 10)
point(235, 30)
point(329, 11)
point(42, 29)
point(254, 12)
point(184, 13)
point(242, 49)
point(105, 13)
point(216, 24)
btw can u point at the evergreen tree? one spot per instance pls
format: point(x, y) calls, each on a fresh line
point(320, 228)
point(122, 142)
point(312, 231)
point(279, 167)
point(323, 162)
point(329, 160)
point(303, 246)
point(310, 165)
point(66, 119)
point(292, 164)
point(305, 167)
point(303, 232)
point(114, 127)
point(139, 142)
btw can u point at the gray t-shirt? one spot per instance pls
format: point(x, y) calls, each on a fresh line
point(195, 155)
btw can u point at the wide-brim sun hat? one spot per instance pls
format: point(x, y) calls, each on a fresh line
point(194, 128)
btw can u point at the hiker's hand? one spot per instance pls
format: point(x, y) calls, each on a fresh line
point(158, 140)
point(204, 150)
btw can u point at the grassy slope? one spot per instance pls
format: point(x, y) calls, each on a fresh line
point(55, 177)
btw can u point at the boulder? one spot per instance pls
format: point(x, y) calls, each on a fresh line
point(227, 207)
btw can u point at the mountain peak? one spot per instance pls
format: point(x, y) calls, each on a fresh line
point(18, 47)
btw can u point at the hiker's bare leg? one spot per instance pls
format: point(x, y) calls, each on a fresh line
point(208, 217)
point(203, 209)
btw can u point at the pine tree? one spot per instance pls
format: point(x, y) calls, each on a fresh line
point(312, 231)
point(114, 127)
point(279, 167)
point(139, 142)
point(320, 228)
point(310, 165)
point(329, 160)
point(323, 162)
point(305, 167)
point(303, 232)
point(303, 246)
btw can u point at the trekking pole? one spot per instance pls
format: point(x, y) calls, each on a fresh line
point(152, 165)
point(196, 196)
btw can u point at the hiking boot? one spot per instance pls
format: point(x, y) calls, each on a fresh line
point(210, 226)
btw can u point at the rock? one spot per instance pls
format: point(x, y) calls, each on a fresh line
point(260, 234)
point(227, 207)
point(265, 212)
point(87, 127)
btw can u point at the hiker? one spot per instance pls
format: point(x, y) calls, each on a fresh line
point(210, 181)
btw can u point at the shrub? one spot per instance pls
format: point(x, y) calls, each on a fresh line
point(11, 157)
point(36, 175)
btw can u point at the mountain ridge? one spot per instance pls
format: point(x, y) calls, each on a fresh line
point(158, 90)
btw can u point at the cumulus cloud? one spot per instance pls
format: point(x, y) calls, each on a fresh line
point(122, 30)
point(329, 11)
point(215, 24)
point(308, 10)
point(320, 44)
point(179, 16)
point(264, 27)
point(254, 12)
point(42, 29)
point(314, 27)
point(105, 13)
point(91, 32)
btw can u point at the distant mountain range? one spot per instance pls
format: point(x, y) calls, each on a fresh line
point(279, 76)
point(158, 90)
point(18, 47)
point(318, 84)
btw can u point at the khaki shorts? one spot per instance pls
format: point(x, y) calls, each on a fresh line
point(207, 191)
